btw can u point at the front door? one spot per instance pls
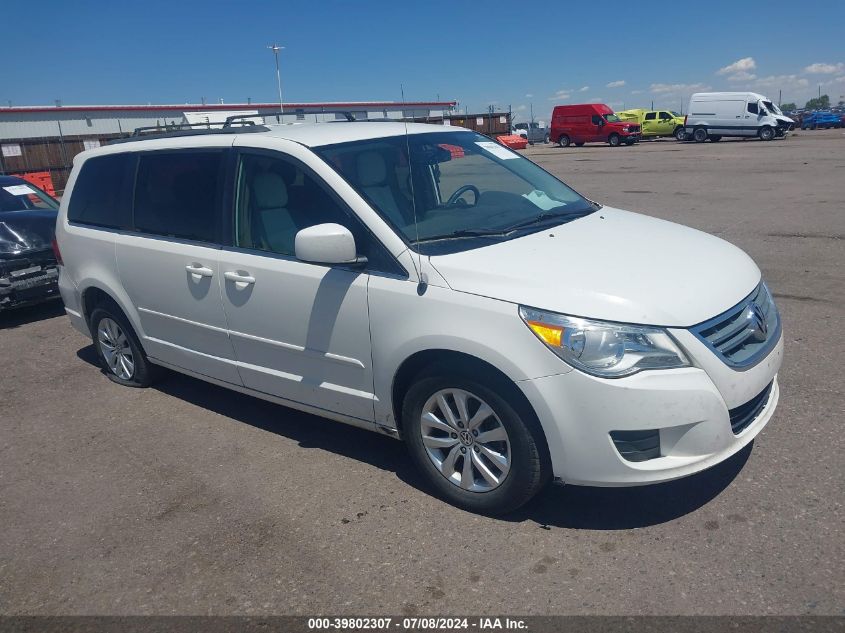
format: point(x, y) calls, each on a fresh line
point(168, 263)
point(300, 331)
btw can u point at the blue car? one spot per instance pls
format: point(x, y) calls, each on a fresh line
point(822, 120)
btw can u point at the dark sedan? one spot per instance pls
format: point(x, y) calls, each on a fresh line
point(28, 269)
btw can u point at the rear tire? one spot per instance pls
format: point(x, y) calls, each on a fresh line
point(613, 140)
point(699, 135)
point(564, 140)
point(680, 134)
point(766, 133)
point(118, 349)
point(466, 472)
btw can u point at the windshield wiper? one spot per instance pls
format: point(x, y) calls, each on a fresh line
point(540, 219)
point(463, 233)
point(544, 217)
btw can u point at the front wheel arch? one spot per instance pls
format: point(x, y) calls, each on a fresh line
point(420, 362)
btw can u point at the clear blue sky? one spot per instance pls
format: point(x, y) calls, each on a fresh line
point(478, 53)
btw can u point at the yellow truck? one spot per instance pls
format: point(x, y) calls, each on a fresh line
point(656, 123)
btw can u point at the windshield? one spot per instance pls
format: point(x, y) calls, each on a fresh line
point(771, 107)
point(676, 114)
point(463, 189)
point(21, 196)
point(612, 118)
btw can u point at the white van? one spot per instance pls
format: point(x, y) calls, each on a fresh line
point(716, 114)
point(428, 283)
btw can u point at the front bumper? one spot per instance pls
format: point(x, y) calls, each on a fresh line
point(686, 409)
point(28, 280)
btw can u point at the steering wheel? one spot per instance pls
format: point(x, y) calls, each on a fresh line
point(453, 199)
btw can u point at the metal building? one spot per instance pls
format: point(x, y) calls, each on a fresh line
point(43, 140)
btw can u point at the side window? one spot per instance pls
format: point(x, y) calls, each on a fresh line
point(177, 194)
point(752, 108)
point(596, 119)
point(276, 198)
point(650, 116)
point(102, 194)
point(665, 116)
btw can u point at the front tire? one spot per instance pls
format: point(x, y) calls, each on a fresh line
point(699, 135)
point(118, 349)
point(472, 442)
point(564, 140)
point(767, 133)
point(613, 140)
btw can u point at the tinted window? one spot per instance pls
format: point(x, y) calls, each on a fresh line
point(752, 108)
point(276, 198)
point(665, 116)
point(176, 194)
point(103, 190)
point(596, 119)
point(649, 116)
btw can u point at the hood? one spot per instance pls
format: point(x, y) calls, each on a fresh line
point(26, 230)
point(612, 265)
point(783, 117)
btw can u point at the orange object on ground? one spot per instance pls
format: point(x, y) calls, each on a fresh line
point(513, 141)
point(40, 179)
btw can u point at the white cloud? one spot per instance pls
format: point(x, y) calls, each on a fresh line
point(529, 96)
point(824, 69)
point(741, 65)
point(835, 81)
point(659, 89)
point(616, 84)
point(521, 107)
point(636, 92)
point(595, 100)
point(583, 89)
point(786, 83)
point(742, 76)
point(561, 95)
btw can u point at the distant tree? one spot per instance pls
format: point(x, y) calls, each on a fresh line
point(818, 103)
point(788, 107)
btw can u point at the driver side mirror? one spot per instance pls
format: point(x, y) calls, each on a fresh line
point(327, 244)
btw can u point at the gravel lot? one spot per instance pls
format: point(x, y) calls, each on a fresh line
point(190, 499)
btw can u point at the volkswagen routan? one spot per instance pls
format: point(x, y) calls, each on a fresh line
point(427, 283)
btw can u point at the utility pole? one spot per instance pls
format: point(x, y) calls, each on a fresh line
point(276, 48)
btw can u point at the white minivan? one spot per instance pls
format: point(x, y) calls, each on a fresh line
point(426, 283)
point(716, 114)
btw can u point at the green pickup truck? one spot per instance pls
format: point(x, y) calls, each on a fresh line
point(655, 123)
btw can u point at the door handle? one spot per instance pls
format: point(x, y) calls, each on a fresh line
point(238, 278)
point(198, 270)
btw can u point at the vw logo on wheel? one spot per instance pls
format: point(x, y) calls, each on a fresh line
point(757, 325)
point(466, 438)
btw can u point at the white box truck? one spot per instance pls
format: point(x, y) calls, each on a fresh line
point(716, 114)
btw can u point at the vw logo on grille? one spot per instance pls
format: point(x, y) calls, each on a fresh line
point(758, 329)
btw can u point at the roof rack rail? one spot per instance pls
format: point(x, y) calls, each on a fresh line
point(180, 127)
point(187, 129)
point(236, 118)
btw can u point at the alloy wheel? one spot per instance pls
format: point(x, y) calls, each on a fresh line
point(115, 348)
point(465, 440)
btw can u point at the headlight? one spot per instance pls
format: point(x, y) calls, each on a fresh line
point(609, 350)
point(625, 128)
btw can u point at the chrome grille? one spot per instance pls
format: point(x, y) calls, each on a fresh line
point(744, 334)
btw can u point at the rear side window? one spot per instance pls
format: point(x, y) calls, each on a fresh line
point(177, 194)
point(102, 193)
point(649, 116)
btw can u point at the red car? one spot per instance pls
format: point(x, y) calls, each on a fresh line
point(591, 123)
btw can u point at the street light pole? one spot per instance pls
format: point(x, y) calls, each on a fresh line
point(276, 48)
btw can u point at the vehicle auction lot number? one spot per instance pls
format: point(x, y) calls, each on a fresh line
point(416, 624)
